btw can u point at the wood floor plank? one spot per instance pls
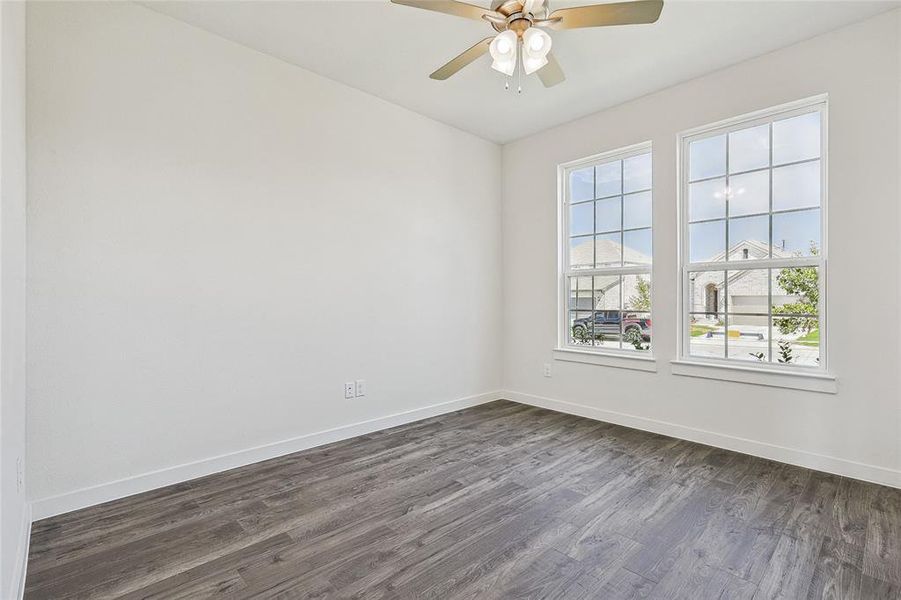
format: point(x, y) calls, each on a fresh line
point(851, 512)
point(625, 585)
point(812, 514)
point(498, 501)
point(837, 573)
point(694, 576)
point(218, 577)
point(737, 547)
point(752, 490)
point(673, 530)
point(494, 545)
point(598, 549)
point(791, 568)
point(133, 565)
point(872, 588)
point(882, 556)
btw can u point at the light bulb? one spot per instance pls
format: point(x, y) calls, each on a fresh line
point(503, 52)
point(536, 46)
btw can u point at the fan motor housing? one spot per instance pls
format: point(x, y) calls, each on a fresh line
point(514, 8)
point(506, 7)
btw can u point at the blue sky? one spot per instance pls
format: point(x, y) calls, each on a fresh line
point(719, 183)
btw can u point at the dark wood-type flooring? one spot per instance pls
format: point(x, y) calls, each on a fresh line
point(498, 501)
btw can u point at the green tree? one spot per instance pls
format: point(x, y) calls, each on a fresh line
point(641, 300)
point(802, 282)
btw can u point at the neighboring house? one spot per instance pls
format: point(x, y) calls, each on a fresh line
point(748, 290)
point(606, 292)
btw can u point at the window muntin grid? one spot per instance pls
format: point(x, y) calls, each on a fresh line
point(776, 229)
point(607, 252)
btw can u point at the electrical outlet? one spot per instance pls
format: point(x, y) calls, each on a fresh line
point(361, 387)
point(20, 475)
point(350, 389)
point(547, 369)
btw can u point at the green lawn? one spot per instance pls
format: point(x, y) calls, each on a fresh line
point(699, 330)
point(811, 338)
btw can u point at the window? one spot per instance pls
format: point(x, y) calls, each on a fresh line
point(606, 252)
point(753, 247)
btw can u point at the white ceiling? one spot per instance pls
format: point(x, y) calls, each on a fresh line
point(389, 51)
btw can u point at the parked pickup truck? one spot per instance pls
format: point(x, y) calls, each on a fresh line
point(612, 323)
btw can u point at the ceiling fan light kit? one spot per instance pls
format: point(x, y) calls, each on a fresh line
point(521, 39)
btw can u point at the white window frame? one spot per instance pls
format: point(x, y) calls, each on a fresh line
point(627, 358)
point(734, 369)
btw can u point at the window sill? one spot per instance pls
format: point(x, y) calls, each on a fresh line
point(811, 382)
point(607, 359)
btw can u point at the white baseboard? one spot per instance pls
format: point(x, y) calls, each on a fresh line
point(63, 503)
point(17, 582)
point(792, 456)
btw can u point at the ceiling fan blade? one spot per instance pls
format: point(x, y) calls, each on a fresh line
point(548, 23)
point(602, 15)
point(551, 74)
point(495, 18)
point(462, 59)
point(449, 7)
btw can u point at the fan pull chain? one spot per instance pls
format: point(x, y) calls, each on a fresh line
point(519, 69)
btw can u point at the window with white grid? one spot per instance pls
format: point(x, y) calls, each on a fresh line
point(606, 250)
point(753, 247)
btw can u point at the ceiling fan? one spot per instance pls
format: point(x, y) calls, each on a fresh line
point(521, 40)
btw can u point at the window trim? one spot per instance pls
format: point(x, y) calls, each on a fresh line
point(723, 368)
point(736, 373)
point(563, 351)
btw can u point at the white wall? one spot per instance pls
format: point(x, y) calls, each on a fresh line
point(14, 516)
point(858, 66)
point(219, 240)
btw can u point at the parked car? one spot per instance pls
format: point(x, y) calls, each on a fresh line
point(611, 323)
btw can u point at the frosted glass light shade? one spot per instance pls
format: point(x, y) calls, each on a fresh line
point(530, 65)
point(503, 52)
point(536, 44)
